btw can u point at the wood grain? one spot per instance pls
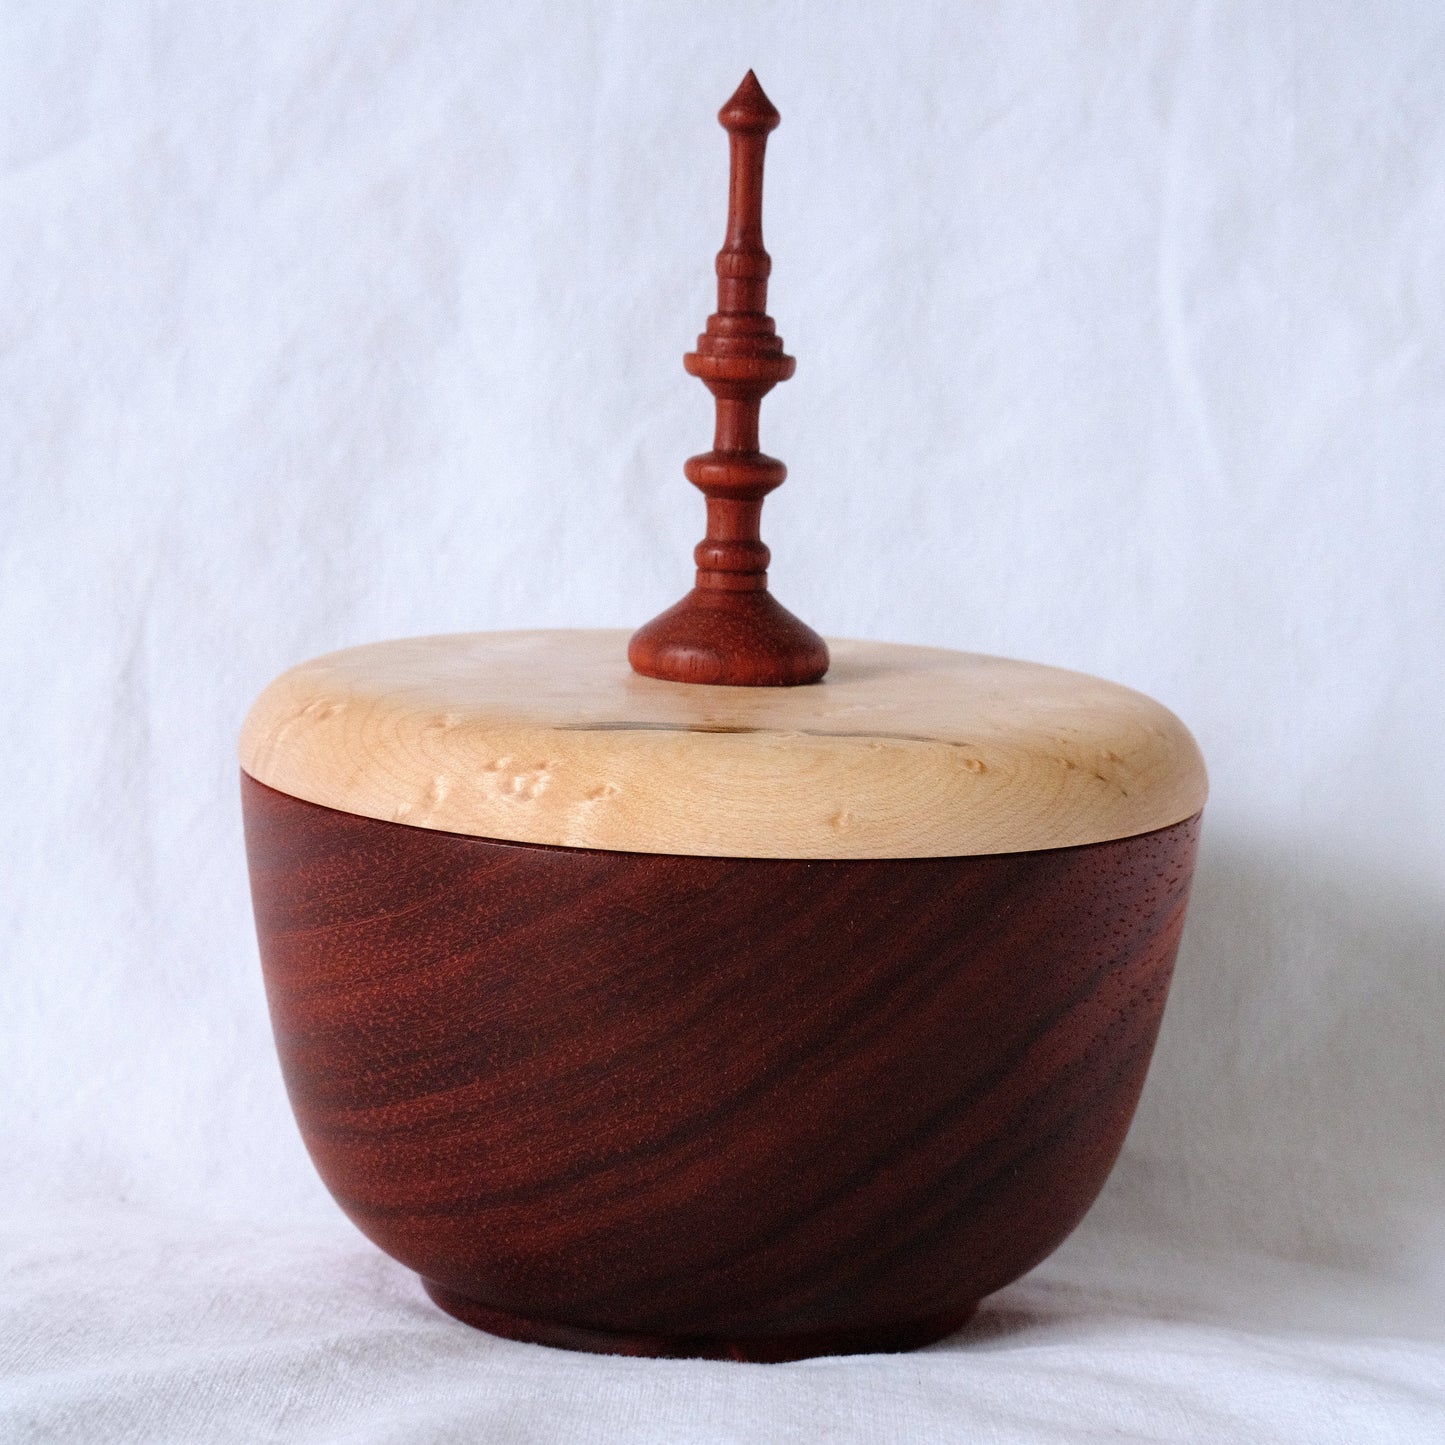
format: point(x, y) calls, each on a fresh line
point(549, 737)
point(709, 1106)
point(729, 630)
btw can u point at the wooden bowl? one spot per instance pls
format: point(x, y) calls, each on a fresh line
point(673, 1020)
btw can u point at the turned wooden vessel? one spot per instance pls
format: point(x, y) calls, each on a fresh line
point(693, 1005)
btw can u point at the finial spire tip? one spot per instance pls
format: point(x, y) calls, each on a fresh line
point(749, 108)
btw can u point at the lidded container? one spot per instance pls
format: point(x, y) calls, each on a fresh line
point(725, 993)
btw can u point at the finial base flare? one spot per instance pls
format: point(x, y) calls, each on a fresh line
point(729, 639)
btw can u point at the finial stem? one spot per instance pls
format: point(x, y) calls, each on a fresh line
point(729, 629)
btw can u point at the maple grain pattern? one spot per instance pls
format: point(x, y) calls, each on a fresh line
point(725, 1107)
point(548, 737)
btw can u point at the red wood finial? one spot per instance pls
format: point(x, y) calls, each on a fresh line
point(730, 629)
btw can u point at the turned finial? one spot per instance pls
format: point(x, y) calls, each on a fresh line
point(730, 629)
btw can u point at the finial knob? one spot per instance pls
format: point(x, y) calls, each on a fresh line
point(730, 629)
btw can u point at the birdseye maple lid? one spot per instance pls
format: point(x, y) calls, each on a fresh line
point(725, 726)
point(549, 737)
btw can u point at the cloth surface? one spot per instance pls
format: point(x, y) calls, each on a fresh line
point(134, 1329)
point(1119, 338)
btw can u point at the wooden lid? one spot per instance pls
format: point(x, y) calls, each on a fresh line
point(550, 737)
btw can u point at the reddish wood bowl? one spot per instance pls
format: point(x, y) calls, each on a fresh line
point(747, 1108)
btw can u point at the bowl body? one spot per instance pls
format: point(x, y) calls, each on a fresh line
point(729, 1107)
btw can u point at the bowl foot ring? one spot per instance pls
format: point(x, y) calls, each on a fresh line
point(760, 1349)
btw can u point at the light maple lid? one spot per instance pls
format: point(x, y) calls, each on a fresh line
point(550, 737)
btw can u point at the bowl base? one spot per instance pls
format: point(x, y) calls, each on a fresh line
point(756, 1349)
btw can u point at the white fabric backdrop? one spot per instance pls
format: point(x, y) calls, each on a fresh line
point(1119, 336)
